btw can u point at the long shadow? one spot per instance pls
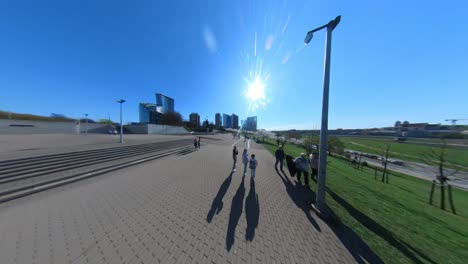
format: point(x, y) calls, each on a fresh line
point(234, 216)
point(361, 252)
point(302, 198)
point(355, 245)
point(217, 204)
point(379, 230)
point(252, 212)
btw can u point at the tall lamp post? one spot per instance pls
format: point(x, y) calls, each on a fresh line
point(330, 26)
point(121, 101)
point(86, 128)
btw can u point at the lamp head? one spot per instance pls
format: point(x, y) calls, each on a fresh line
point(308, 37)
point(334, 22)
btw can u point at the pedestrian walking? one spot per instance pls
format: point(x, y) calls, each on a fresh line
point(234, 157)
point(291, 165)
point(279, 154)
point(253, 165)
point(195, 143)
point(314, 159)
point(302, 166)
point(245, 160)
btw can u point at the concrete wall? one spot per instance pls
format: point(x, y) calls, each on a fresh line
point(155, 129)
point(136, 129)
point(42, 127)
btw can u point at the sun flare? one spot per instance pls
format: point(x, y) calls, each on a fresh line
point(256, 90)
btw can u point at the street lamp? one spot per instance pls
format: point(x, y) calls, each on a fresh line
point(320, 199)
point(86, 127)
point(121, 101)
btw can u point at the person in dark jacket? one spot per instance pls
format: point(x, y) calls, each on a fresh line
point(234, 157)
point(291, 165)
point(279, 154)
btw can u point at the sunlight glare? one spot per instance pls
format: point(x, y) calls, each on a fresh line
point(256, 90)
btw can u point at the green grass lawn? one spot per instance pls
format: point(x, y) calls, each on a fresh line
point(410, 150)
point(395, 219)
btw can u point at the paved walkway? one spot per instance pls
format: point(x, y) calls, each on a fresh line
point(186, 209)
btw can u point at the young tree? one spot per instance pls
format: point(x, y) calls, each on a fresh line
point(310, 143)
point(283, 141)
point(439, 160)
point(384, 163)
point(262, 134)
point(335, 145)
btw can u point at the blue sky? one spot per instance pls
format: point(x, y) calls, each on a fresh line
point(391, 60)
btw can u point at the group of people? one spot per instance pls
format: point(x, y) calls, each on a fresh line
point(299, 165)
point(252, 162)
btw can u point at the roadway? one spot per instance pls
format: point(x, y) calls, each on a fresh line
point(457, 178)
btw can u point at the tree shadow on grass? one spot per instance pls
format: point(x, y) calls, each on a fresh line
point(252, 212)
point(234, 216)
point(302, 198)
point(217, 204)
point(358, 247)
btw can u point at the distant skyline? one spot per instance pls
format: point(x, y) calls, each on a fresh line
point(391, 60)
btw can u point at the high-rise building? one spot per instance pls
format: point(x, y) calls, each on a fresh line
point(165, 103)
point(235, 121)
point(194, 120)
point(227, 121)
point(145, 109)
point(218, 120)
point(250, 124)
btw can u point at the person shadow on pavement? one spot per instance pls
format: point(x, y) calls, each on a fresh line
point(302, 198)
point(217, 204)
point(235, 214)
point(252, 212)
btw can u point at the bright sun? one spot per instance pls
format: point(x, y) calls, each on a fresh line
point(256, 90)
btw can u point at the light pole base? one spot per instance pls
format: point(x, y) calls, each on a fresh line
point(323, 214)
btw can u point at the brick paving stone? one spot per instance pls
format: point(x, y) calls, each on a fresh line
point(157, 213)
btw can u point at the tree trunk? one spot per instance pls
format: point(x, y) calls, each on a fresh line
point(384, 171)
point(385, 164)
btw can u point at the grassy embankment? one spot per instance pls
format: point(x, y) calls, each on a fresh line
point(395, 219)
point(412, 150)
